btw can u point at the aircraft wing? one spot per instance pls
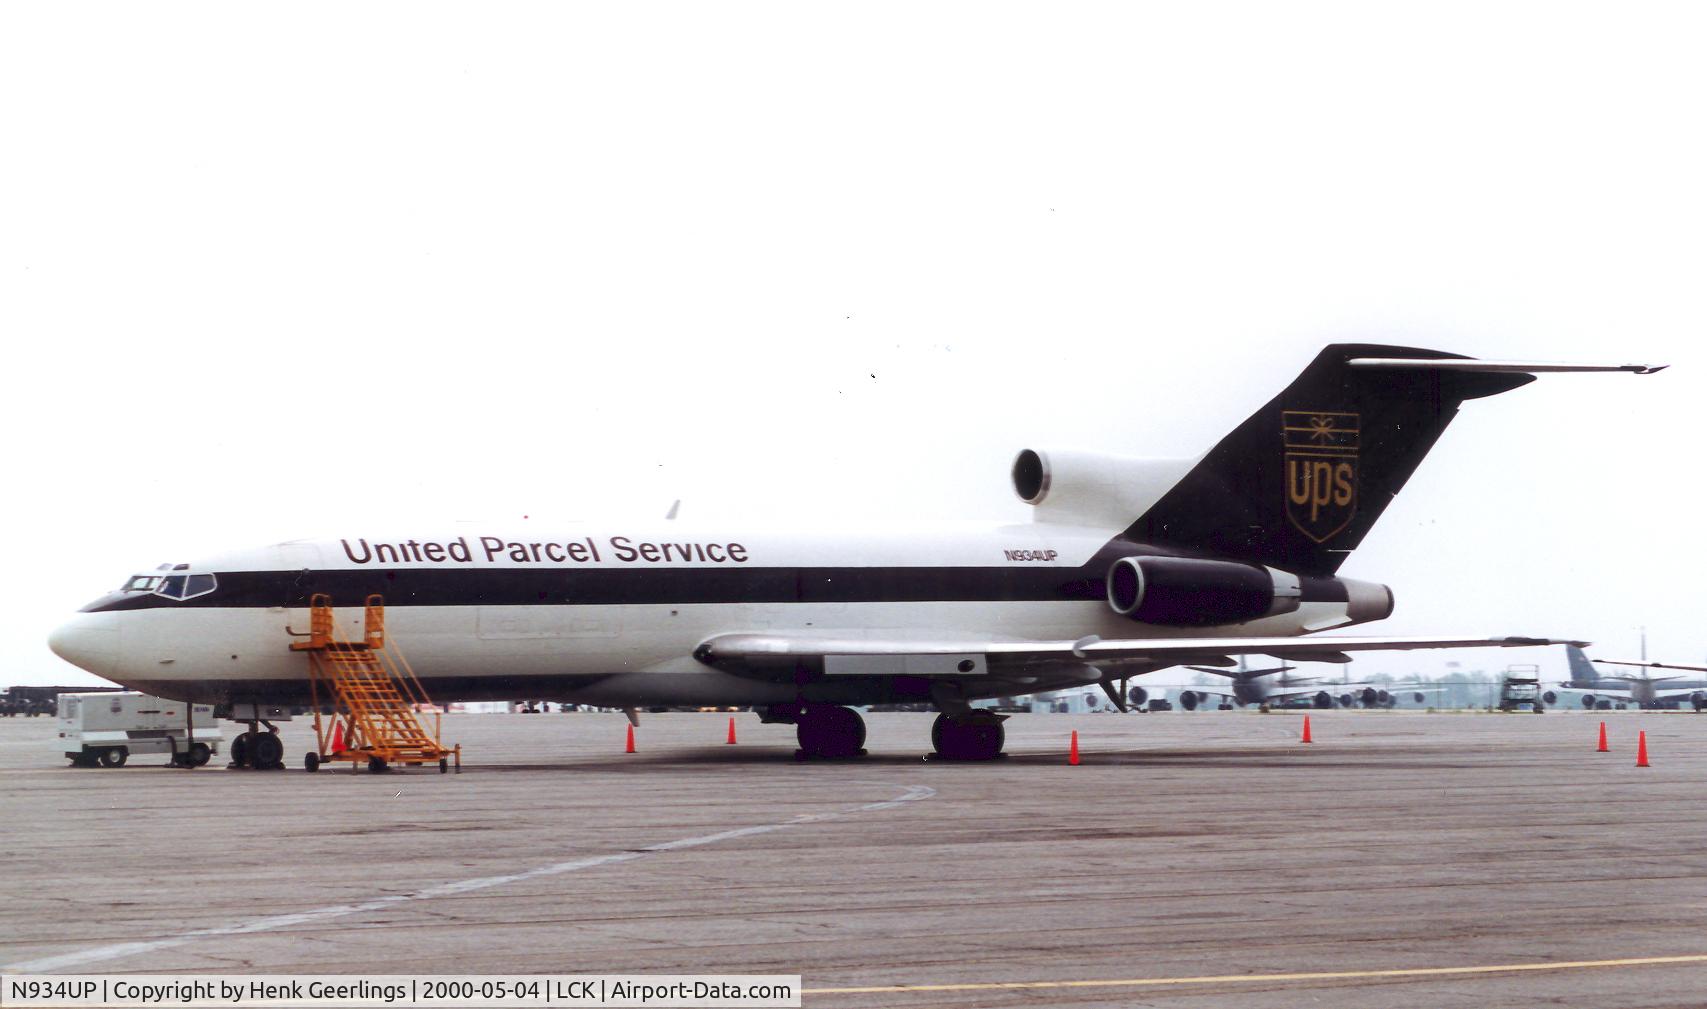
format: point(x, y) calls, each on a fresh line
point(1678, 695)
point(758, 653)
point(1395, 688)
point(1624, 693)
point(1653, 665)
point(1290, 692)
point(1212, 692)
point(1243, 674)
point(1609, 691)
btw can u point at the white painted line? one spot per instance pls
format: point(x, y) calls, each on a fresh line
point(1335, 975)
point(117, 951)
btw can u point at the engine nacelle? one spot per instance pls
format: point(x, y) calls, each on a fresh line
point(1185, 592)
point(1136, 696)
point(1550, 697)
point(1323, 699)
point(1588, 701)
point(1346, 700)
point(1188, 700)
point(1089, 488)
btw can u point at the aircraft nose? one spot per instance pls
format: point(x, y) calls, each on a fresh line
point(87, 641)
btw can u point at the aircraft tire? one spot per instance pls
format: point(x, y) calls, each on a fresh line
point(831, 732)
point(240, 750)
point(268, 751)
point(311, 762)
point(967, 739)
point(114, 756)
point(199, 754)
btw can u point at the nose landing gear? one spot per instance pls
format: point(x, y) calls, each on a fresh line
point(257, 750)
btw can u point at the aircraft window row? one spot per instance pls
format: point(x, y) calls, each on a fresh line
point(185, 586)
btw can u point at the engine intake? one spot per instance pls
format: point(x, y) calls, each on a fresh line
point(1184, 592)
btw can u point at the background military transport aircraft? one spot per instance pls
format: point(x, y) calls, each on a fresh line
point(1603, 690)
point(1272, 687)
point(1128, 567)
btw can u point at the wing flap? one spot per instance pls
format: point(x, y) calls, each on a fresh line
point(851, 656)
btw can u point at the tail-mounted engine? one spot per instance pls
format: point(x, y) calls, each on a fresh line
point(1089, 488)
point(1184, 592)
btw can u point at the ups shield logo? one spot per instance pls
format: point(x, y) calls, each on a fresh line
point(1321, 471)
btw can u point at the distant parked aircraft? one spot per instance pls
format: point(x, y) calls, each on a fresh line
point(1606, 689)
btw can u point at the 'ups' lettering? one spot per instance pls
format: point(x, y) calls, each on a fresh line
point(1342, 483)
point(1317, 483)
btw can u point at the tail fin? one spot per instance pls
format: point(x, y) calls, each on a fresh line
point(1300, 483)
point(1583, 673)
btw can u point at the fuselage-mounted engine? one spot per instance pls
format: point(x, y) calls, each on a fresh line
point(1186, 592)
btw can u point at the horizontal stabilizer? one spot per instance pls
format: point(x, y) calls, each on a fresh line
point(1497, 367)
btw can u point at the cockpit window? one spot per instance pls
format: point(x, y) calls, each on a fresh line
point(141, 583)
point(185, 586)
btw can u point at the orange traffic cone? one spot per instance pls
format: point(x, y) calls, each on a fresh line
point(1642, 749)
point(1602, 748)
point(731, 732)
point(1073, 750)
point(337, 737)
point(630, 740)
point(1306, 738)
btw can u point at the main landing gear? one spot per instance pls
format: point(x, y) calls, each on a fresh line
point(829, 731)
point(257, 750)
point(832, 732)
point(970, 735)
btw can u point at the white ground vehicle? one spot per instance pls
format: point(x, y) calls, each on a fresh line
point(107, 728)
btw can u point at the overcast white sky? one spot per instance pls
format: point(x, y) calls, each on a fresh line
point(774, 259)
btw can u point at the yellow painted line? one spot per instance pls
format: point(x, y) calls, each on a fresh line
point(1342, 975)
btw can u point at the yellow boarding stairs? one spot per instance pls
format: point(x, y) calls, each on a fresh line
point(375, 697)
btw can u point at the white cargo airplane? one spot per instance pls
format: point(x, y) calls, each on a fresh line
point(1128, 567)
